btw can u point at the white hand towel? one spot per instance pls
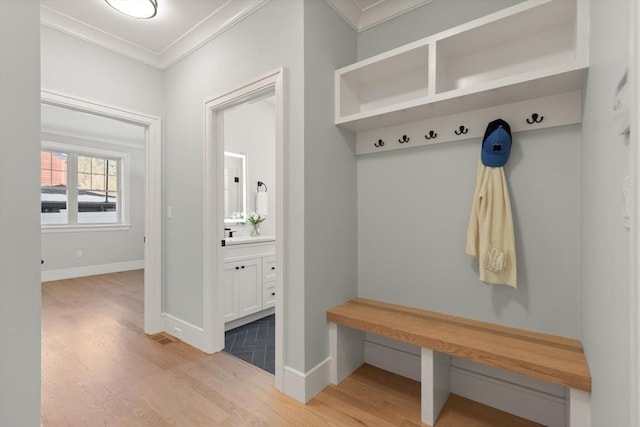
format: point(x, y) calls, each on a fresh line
point(262, 203)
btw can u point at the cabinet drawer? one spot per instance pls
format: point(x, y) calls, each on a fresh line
point(269, 295)
point(268, 268)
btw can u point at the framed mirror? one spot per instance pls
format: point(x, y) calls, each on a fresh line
point(235, 188)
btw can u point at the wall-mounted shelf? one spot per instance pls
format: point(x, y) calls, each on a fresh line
point(535, 49)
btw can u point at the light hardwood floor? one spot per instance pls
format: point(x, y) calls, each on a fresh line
point(100, 369)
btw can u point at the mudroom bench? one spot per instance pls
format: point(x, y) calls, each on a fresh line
point(547, 357)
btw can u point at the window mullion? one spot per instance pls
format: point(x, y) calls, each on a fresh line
point(72, 186)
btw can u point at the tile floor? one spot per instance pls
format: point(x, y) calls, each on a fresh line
point(254, 343)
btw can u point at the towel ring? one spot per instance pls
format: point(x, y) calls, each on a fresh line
point(260, 184)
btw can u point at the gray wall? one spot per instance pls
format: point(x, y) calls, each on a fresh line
point(605, 244)
point(270, 38)
point(74, 67)
point(330, 178)
point(19, 218)
point(432, 18)
point(414, 206)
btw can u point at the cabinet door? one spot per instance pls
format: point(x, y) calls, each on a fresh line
point(229, 298)
point(249, 286)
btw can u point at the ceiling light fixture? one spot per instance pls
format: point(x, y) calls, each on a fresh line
point(141, 9)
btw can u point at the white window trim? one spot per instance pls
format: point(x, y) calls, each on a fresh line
point(123, 178)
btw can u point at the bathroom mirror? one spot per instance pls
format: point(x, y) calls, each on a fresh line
point(235, 188)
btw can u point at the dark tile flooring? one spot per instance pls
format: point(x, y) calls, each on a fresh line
point(254, 342)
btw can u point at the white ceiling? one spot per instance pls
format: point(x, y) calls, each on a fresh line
point(181, 26)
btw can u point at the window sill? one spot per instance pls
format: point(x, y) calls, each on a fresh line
point(84, 228)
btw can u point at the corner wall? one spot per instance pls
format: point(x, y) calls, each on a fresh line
point(20, 300)
point(605, 243)
point(330, 178)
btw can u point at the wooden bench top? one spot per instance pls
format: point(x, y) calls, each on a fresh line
point(554, 359)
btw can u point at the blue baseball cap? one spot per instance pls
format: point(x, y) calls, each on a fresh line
point(496, 144)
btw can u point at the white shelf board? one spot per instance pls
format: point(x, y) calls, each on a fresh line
point(535, 84)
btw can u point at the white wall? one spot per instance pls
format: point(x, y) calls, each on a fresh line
point(19, 219)
point(330, 178)
point(250, 129)
point(268, 39)
point(605, 244)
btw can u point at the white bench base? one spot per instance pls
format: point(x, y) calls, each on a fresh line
point(347, 355)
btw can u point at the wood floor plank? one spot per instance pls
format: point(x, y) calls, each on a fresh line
point(100, 369)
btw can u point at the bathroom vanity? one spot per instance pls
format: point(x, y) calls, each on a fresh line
point(249, 281)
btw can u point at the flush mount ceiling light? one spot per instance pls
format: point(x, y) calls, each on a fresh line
point(141, 9)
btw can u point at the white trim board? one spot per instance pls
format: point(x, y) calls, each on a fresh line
point(519, 395)
point(369, 16)
point(91, 270)
point(184, 331)
point(303, 387)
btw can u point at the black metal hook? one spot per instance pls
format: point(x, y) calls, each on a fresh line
point(261, 184)
point(404, 139)
point(379, 144)
point(431, 135)
point(462, 130)
point(535, 118)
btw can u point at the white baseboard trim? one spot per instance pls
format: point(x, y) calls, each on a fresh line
point(184, 331)
point(481, 385)
point(303, 387)
point(248, 319)
point(90, 270)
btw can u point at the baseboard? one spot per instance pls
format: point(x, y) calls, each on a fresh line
point(509, 392)
point(248, 319)
point(184, 331)
point(90, 270)
point(303, 387)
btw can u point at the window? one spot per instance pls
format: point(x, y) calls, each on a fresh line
point(81, 187)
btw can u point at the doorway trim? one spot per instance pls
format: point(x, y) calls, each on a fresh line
point(153, 194)
point(213, 215)
point(634, 170)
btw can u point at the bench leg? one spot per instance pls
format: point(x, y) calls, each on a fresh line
point(578, 408)
point(346, 347)
point(436, 382)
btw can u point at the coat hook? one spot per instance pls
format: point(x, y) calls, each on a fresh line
point(535, 118)
point(379, 144)
point(431, 135)
point(404, 139)
point(462, 130)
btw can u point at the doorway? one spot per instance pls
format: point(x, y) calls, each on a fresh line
point(152, 194)
point(265, 89)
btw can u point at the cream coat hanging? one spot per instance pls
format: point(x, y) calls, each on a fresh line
point(490, 236)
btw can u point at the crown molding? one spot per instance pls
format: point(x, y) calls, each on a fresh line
point(375, 14)
point(210, 27)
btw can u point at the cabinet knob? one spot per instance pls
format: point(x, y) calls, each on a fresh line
point(242, 267)
point(237, 268)
point(273, 294)
point(273, 268)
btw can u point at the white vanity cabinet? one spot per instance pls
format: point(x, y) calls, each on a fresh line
point(242, 288)
point(249, 284)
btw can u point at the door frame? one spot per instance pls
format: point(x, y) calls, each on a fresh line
point(153, 194)
point(214, 208)
point(634, 170)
